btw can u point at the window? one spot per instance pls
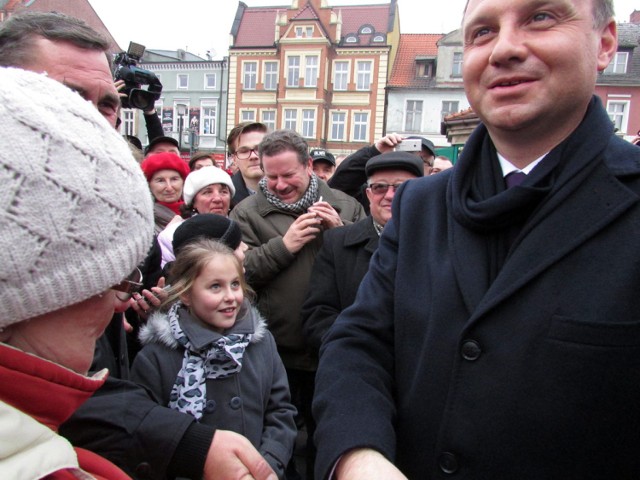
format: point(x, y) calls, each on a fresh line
point(311, 71)
point(413, 118)
point(209, 112)
point(183, 80)
point(352, 39)
point(618, 64)
point(449, 107)
point(248, 115)
point(250, 75)
point(290, 119)
point(180, 121)
point(424, 68)
point(269, 119)
point(270, 75)
point(308, 123)
point(304, 32)
point(456, 69)
point(367, 30)
point(341, 75)
point(338, 120)
point(360, 123)
point(363, 75)
point(209, 80)
point(379, 38)
point(127, 116)
point(293, 71)
point(618, 113)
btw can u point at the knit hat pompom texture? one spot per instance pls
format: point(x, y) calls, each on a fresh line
point(76, 215)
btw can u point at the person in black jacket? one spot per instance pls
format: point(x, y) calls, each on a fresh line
point(344, 256)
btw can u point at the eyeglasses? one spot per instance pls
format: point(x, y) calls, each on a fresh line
point(383, 188)
point(130, 285)
point(244, 153)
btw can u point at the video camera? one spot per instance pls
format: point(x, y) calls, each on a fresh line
point(124, 68)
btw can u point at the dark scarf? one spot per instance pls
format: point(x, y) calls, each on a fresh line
point(478, 200)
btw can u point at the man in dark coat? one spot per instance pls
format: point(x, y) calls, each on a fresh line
point(496, 334)
point(344, 256)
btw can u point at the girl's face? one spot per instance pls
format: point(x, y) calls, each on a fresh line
point(216, 294)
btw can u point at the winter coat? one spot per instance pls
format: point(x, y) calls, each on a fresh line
point(279, 277)
point(533, 375)
point(36, 396)
point(339, 268)
point(254, 402)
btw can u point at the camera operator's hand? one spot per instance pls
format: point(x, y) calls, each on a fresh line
point(119, 84)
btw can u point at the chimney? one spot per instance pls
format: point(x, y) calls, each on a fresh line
point(635, 17)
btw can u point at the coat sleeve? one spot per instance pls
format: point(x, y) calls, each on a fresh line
point(263, 261)
point(279, 431)
point(125, 424)
point(354, 398)
point(154, 125)
point(322, 305)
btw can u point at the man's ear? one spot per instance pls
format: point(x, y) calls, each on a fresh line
point(608, 44)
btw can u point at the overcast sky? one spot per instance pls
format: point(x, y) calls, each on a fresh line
point(201, 25)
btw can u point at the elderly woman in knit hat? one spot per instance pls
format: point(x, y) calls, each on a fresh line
point(208, 190)
point(166, 173)
point(63, 272)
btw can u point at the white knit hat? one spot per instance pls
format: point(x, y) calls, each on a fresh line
point(206, 176)
point(76, 214)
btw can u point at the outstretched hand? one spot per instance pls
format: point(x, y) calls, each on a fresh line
point(232, 457)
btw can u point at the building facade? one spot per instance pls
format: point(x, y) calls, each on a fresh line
point(317, 69)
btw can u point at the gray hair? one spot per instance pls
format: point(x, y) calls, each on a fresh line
point(284, 141)
point(19, 32)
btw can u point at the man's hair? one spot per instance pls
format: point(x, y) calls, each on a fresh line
point(602, 12)
point(19, 33)
point(284, 141)
point(244, 127)
point(199, 156)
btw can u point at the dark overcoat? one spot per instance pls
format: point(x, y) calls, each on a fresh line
point(535, 375)
point(337, 272)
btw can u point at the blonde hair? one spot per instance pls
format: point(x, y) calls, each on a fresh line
point(190, 262)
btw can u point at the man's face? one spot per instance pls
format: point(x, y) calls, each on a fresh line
point(380, 203)
point(85, 71)
point(164, 147)
point(203, 162)
point(249, 167)
point(323, 170)
point(287, 178)
point(533, 66)
point(427, 160)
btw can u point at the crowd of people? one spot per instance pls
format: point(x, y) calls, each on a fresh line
point(385, 315)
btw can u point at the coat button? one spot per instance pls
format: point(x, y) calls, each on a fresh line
point(235, 403)
point(448, 462)
point(471, 350)
point(210, 406)
point(143, 470)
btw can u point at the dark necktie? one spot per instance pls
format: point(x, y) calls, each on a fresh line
point(515, 178)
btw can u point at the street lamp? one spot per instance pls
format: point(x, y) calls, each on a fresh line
point(182, 110)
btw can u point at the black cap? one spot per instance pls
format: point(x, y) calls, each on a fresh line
point(321, 154)
point(399, 160)
point(210, 226)
point(428, 144)
point(158, 140)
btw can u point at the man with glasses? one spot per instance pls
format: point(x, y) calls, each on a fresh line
point(242, 143)
point(344, 256)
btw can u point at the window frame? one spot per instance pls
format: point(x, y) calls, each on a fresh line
point(267, 74)
point(248, 76)
point(360, 125)
point(362, 75)
point(206, 81)
point(204, 118)
point(344, 74)
point(179, 77)
point(415, 124)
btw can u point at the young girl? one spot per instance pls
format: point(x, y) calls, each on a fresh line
point(210, 354)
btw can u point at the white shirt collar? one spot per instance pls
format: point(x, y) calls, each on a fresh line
point(508, 167)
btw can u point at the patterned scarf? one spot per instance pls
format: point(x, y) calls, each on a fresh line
point(219, 359)
point(309, 197)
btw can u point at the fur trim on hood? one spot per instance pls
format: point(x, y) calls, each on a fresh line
point(157, 330)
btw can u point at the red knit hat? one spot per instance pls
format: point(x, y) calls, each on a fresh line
point(164, 161)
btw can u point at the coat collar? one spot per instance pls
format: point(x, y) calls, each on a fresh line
point(265, 208)
point(362, 233)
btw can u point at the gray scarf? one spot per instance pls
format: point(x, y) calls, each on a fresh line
point(219, 359)
point(301, 206)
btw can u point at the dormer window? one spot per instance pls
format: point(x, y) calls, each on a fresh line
point(425, 68)
point(618, 64)
point(366, 30)
point(351, 39)
point(379, 38)
point(304, 31)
